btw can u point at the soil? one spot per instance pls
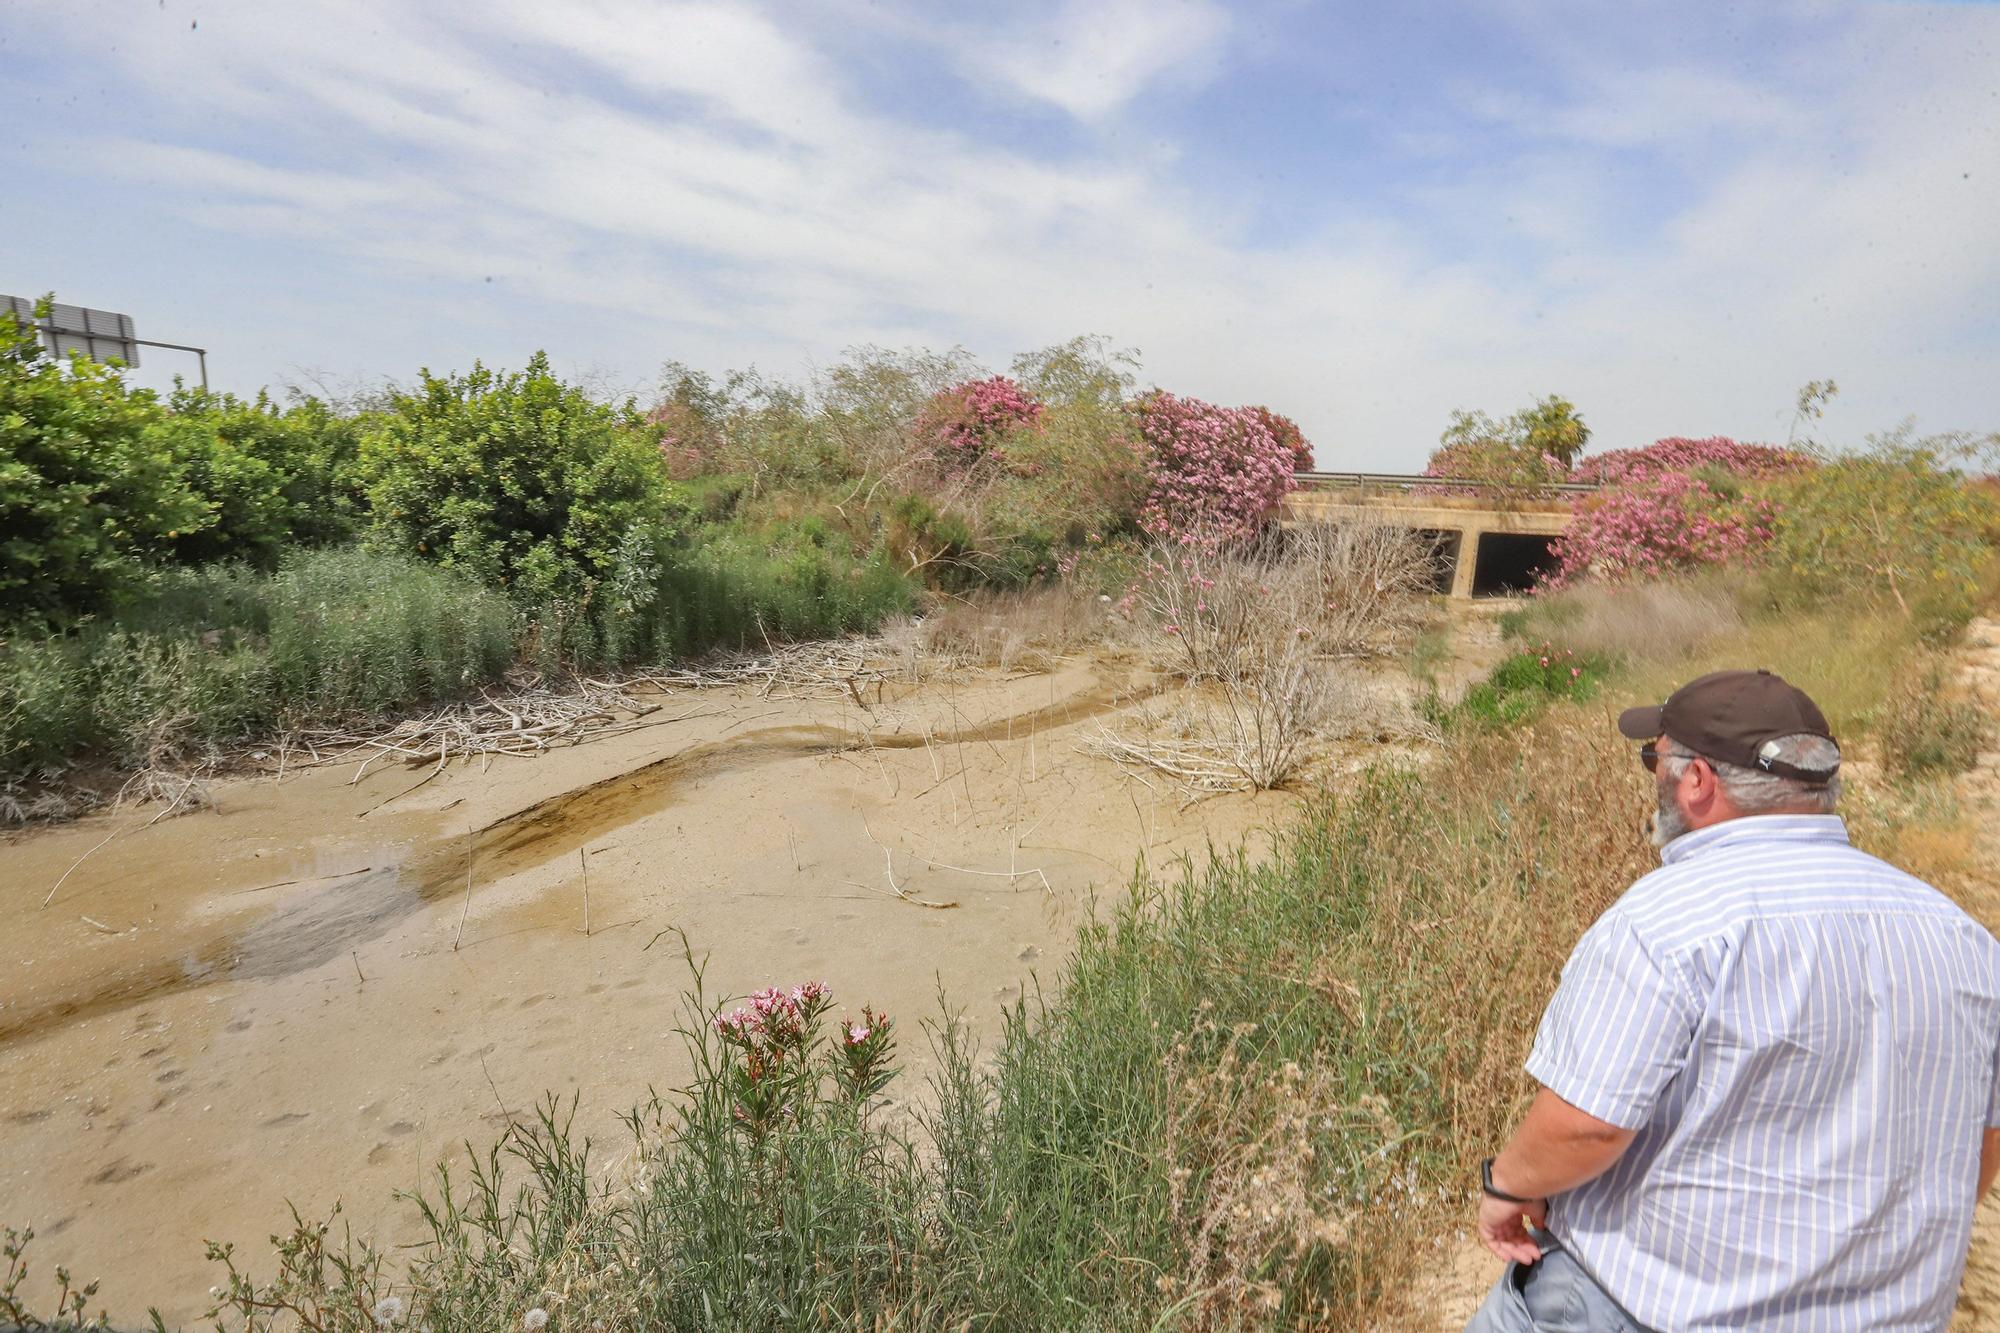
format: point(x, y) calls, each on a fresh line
point(293, 996)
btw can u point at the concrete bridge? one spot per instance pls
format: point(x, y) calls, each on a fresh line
point(1486, 545)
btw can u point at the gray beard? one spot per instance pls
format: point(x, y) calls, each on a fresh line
point(1668, 822)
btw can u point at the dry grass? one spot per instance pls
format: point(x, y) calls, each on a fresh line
point(1643, 622)
point(1023, 629)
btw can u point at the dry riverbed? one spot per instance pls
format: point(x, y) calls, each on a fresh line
point(292, 997)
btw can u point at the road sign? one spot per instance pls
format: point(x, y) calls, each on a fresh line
point(98, 334)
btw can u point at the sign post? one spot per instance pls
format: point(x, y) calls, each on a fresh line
point(101, 335)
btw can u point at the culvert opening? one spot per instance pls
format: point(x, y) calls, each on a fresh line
point(1511, 562)
point(1442, 547)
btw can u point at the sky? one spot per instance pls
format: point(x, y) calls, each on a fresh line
point(1361, 215)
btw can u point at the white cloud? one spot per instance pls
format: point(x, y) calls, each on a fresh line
point(1090, 59)
point(706, 180)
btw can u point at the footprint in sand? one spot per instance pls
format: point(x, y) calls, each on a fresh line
point(120, 1171)
point(240, 1025)
point(288, 1118)
point(28, 1117)
point(402, 1127)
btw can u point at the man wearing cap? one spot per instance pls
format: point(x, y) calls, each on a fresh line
point(1771, 1073)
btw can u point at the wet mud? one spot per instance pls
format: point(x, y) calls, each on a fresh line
point(308, 933)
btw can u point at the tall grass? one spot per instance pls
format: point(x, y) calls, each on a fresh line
point(220, 653)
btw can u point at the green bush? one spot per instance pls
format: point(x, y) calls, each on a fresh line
point(733, 593)
point(520, 481)
point(1524, 684)
point(88, 488)
point(1895, 524)
point(274, 480)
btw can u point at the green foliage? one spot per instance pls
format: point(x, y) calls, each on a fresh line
point(273, 479)
point(519, 481)
point(1086, 371)
point(734, 592)
point(1553, 427)
point(1893, 524)
point(1527, 450)
point(1525, 683)
point(221, 653)
point(88, 489)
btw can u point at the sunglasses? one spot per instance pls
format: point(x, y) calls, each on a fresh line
point(1650, 755)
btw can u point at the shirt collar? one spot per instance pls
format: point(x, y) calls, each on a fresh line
point(1747, 829)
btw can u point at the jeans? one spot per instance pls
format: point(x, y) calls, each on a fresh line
point(1554, 1295)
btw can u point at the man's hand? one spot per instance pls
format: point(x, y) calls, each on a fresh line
point(1556, 1148)
point(1502, 1230)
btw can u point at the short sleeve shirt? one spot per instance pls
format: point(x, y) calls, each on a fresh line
point(1806, 1041)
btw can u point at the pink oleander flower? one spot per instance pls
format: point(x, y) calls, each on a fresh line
point(968, 425)
point(1216, 475)
point(1677, 504)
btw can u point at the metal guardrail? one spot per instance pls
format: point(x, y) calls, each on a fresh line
point(1410, 482)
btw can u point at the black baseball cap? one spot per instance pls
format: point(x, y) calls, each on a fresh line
point(1734, 716)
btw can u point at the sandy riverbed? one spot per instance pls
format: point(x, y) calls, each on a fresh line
point(263, 1002)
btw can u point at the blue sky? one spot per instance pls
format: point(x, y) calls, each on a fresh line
point(1361, 215)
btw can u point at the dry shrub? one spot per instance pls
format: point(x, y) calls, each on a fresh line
point(1638, 622)
point(1257, 632)
point(1248, 1193)
point(1924, 725)
point(1026, 628)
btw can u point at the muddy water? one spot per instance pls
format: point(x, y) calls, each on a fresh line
point(295, 996)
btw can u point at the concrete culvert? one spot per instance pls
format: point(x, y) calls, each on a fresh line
point(1511, 562)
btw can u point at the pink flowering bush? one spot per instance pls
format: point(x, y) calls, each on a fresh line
point(1215, 474)
point(1675, 505)
point(1289, 436)
point(1677, 454)
point(775, 1076)
point(686, 440)
point(969, 425)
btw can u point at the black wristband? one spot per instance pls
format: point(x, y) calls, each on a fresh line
point(1493, 1191)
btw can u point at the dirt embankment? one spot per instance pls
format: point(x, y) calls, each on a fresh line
point(294, 997)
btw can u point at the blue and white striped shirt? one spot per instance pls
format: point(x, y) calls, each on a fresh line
point(1807, 1041)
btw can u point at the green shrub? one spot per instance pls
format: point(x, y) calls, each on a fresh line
point(223, 653)
point(88, 488)
point(274, 480)
point(1524, 684)
point(1895, 525)
point(520, 481)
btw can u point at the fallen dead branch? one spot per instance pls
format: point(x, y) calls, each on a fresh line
point(1204, 767)
point(806, 670)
